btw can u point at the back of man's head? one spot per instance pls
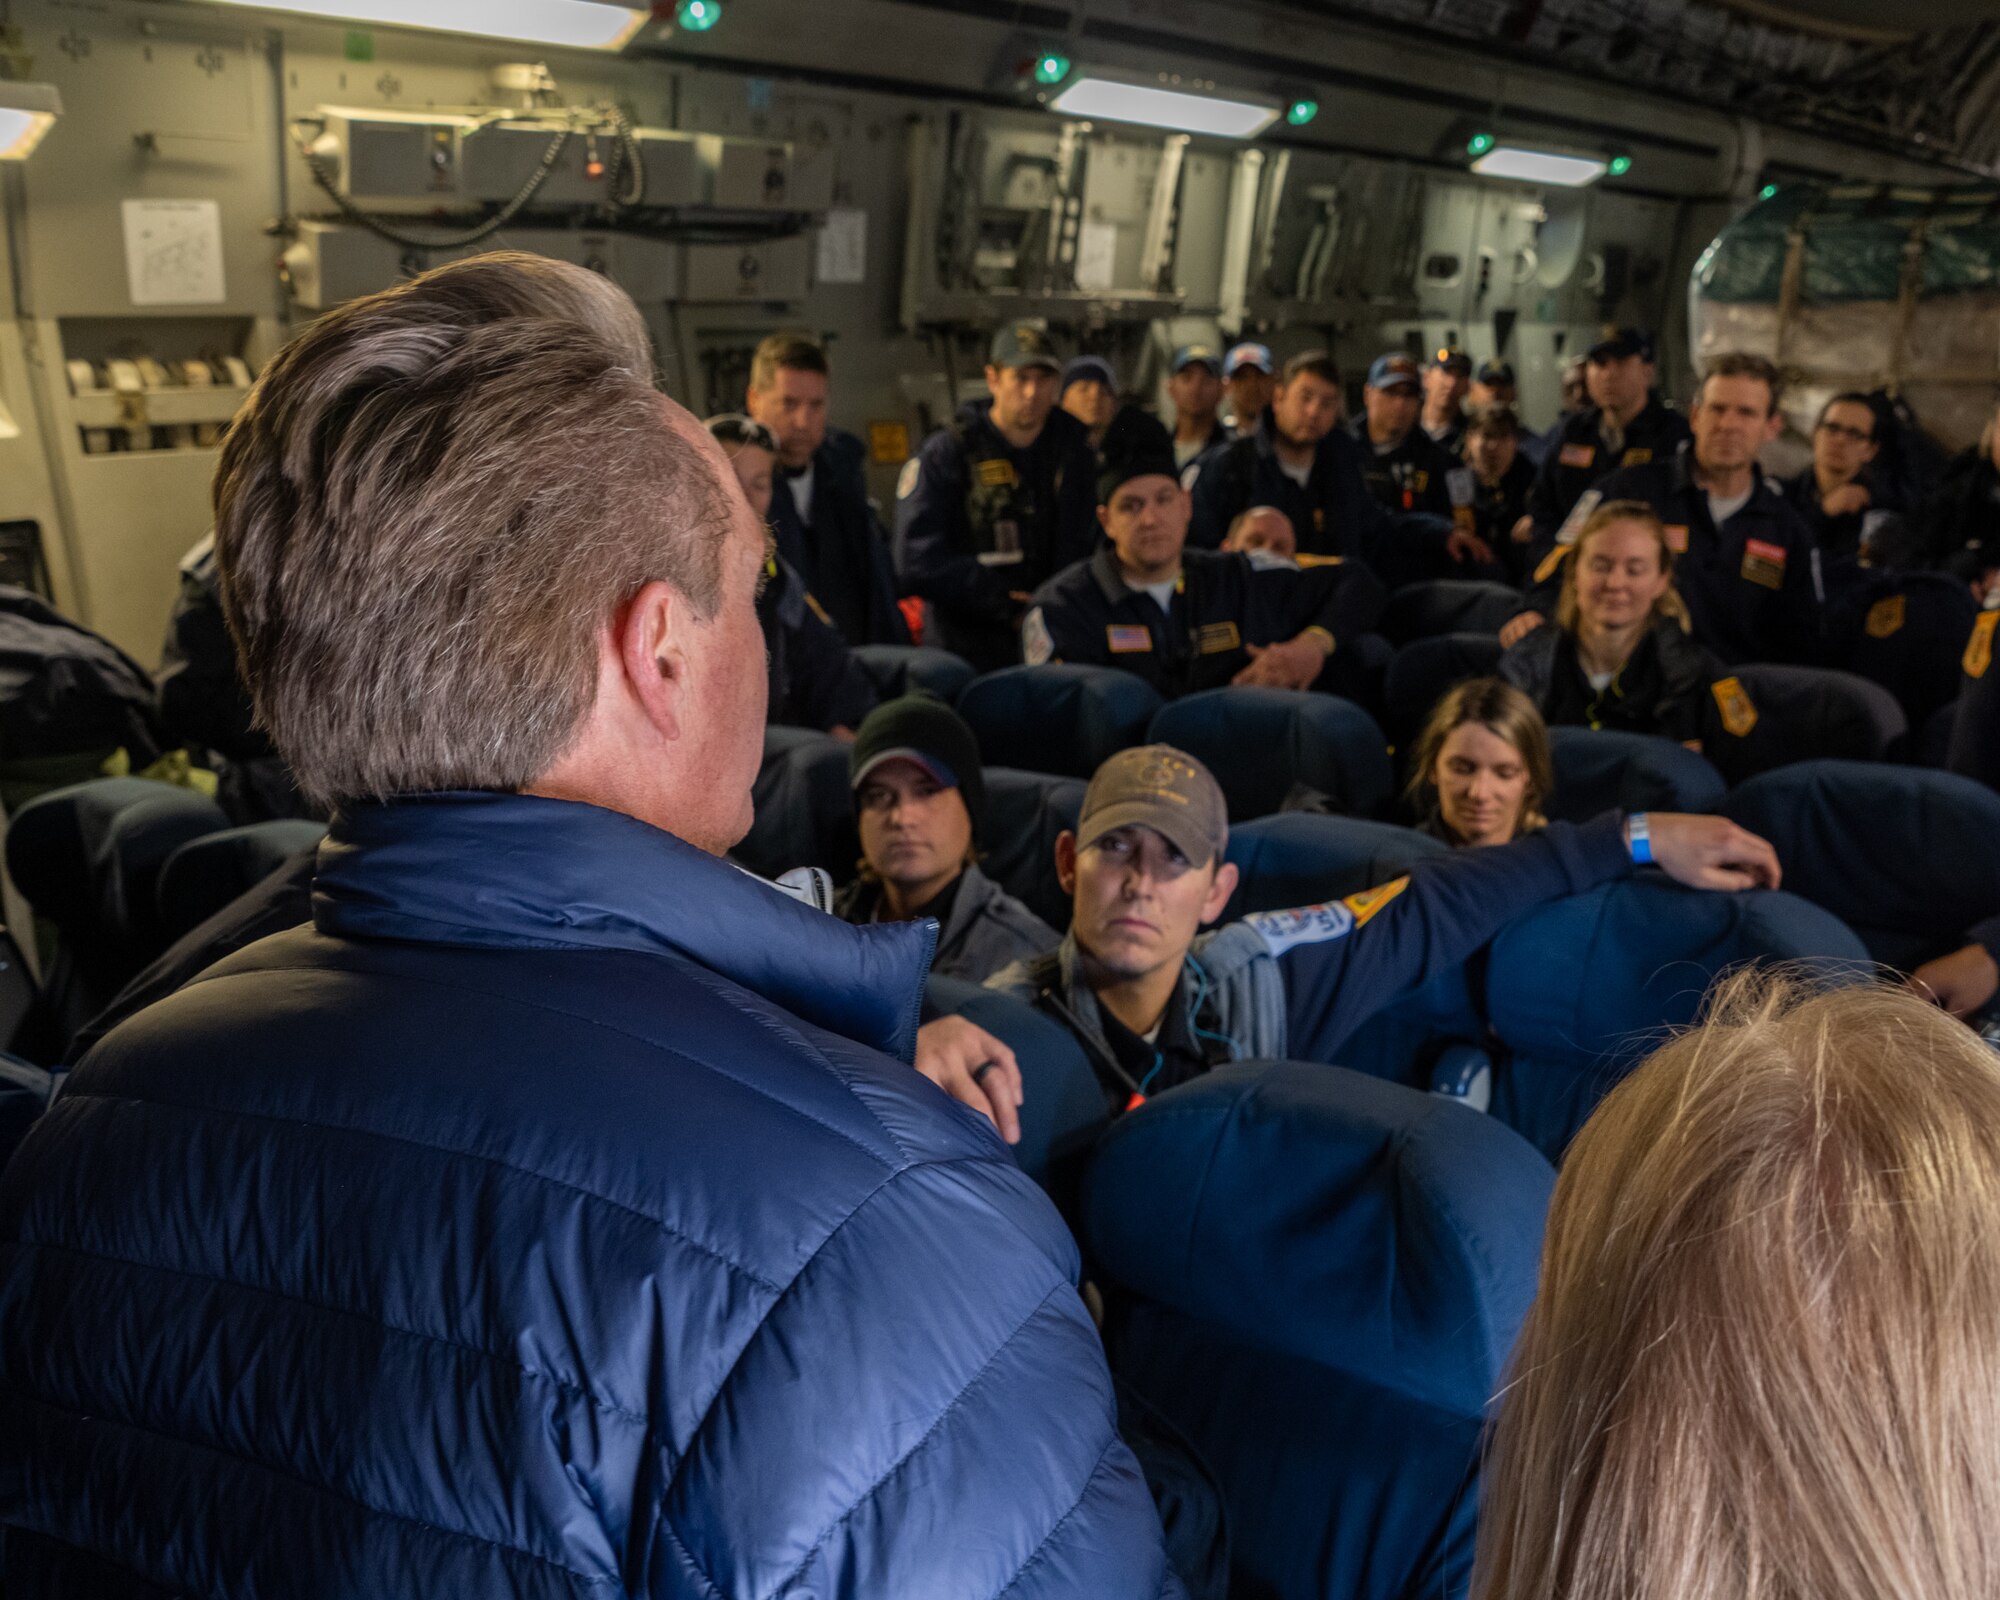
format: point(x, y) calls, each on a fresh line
point(427, 512)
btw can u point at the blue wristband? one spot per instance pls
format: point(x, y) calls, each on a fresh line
point(1639, 839)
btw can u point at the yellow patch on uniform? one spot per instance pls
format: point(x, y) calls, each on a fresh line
point(1305, 560)
point(1885, 617)
point(818, 610)
point(1552, 563)
point(1577, 455)
point(998, 473)
point(1462, 519)
point(1677, 538)
point(1763, 563)
point(1217, 638)
point(1739, 713)
point(888, 442)
point(1979, 648)
point(1635, 457)
point(1365, 904)
point(1126, 638)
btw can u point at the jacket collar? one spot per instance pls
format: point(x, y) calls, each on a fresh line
point(502, 871)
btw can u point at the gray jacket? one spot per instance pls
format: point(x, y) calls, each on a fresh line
point(987, 928)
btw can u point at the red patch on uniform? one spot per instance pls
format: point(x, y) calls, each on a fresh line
point(1577, 455)
point(1765, 550)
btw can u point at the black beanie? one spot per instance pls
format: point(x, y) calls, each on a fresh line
point(923, 727)
point(1119, 470)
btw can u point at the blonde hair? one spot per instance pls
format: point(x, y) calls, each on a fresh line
point(1609, 515)
point(1764, 1362)
point(1503, 711)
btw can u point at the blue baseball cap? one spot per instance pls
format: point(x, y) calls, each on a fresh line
point(1491, 372)
point(1248, 355)
point(1083, 367)
point(1394, 369)
point(1196, 355)
point(1456, 362)
point(1618, 343)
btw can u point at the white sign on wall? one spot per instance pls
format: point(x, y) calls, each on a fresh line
point(173, 252)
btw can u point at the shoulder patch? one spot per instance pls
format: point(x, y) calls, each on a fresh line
point(1979, 648)
point(1285, 930)
point(1579, 514)
point(1551, 564)
point(1037, 648)
point(1365, 904)
point(1886, 617)
point(1739, 713)
point(906, 481)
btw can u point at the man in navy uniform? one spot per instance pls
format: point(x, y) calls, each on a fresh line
point(1501, 478)
point(1744, 560)
point(996, 504)
point(1446, 380)
point(1155, 1002)
point(1625, 425)
point(1191, 619)
point(1404, 467)
point(1090, 394)
point(1194, 384)
point(1250, 376)
point(826, 529)
point(1493, 385)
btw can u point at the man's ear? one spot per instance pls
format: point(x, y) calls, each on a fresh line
point(1104, 520)
point(1774, 425)
point(1226, 879)
point(650, 633)
point(1066, 861)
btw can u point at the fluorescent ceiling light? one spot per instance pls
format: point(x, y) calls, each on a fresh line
point(584, 24)
point(1538, 166)
point(27, 111)
point(1165, 108)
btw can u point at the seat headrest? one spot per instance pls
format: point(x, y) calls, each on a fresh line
point(1599, 978)
point(1904, 855)
point(1301, 859)
point(1056, 717)
point(1063, 1109)
point(1383, 1232)
point(1801, 713)
point(1599, 770)
point(1447, 605)
point(205, 874)
point(900, 669)
point(804, 809)
point(1025, 811)
point(1261, 744)
point(1425, 668)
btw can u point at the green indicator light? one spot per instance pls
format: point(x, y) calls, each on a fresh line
point(1302, 112)
point(698, 16)
point(1767, 191)
point(1051, 68)
point(1620, 165)
point(1479, 144)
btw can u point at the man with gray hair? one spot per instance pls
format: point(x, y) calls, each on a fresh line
point(558, 1214)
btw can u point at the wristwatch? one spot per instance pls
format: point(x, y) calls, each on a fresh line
point(1639, 839)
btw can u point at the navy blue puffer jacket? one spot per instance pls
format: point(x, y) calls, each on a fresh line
point(551, 1218)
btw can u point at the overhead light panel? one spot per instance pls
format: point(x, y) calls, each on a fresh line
point(698, 16)
point(1537, 166)
point(1117, 100)
point(27, 111)
point(580, 24)
point(1051, 67)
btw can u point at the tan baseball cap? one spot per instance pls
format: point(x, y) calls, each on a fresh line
point(1158, 787)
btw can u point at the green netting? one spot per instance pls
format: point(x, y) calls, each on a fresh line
point(1854, 241)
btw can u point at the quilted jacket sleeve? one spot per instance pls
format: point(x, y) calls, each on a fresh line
point(924, 1411)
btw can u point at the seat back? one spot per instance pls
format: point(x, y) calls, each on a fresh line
point(1266, 745)
point(1974, 750)
point(1905, 856)
point(1636, 958)
point(900, 669)
point(1597, 770)
point(1057, 718)
point(66, 691)
point(1447, 605)
point(804, 807)
point(205, 874)
point(1063, 1109)
point(1300, 859)
point(1905, 631)
point(1025, 811)
point(88, 859)
point(1424, 669)
point(1786, 714)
